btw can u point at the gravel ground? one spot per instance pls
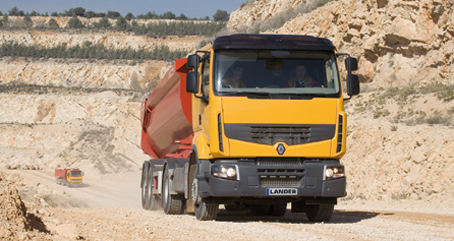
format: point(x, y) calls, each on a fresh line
point(137, 224)
point(87, 219)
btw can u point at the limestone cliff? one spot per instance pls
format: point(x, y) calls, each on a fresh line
point(398, 42)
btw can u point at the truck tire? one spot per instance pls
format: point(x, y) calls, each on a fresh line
point(171, 203)
point(202, 210)
point(319, 213)
point(278, 210)
point(144, 191)
point(206, 212)
point(153, 201)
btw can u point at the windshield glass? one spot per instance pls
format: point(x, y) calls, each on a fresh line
point(268, 73)
point(75, 173)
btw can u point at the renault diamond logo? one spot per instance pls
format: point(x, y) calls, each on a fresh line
point(280, 149)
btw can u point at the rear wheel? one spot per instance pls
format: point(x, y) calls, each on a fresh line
point(172, 204)
point(153, 202)
point(319, 213)
point(144, 188)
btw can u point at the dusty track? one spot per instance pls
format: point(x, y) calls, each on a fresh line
point(114, 213)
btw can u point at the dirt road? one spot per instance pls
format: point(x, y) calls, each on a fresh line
point(109, 191)
point(113, 213)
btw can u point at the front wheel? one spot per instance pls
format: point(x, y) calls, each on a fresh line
point(203, 211)
point(319, 213)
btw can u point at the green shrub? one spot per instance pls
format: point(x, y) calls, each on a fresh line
point(75, 22)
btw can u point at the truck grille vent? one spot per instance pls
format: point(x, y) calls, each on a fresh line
point(278, 162)
point(282, 177)
point(289, 135)
point(280, 181)
point(281, 171)
point(270, 134)
point(340, 134)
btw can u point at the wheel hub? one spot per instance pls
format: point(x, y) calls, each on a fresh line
point(195, 192)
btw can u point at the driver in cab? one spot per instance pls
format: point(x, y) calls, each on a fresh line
point(235, 80)
point(301, 79)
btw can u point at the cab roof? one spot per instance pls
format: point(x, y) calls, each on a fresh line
point(273, 42)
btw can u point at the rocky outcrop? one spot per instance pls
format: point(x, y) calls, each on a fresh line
point(398, 42)
point(16, 223)
point(95, 131)
point(254, 12)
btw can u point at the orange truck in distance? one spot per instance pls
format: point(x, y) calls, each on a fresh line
point(68, 176)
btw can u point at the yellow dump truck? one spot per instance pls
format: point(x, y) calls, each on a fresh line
point(253, 122)
point(68, 176)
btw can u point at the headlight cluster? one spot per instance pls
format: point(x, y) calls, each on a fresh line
point(224, 171)
point(333, 172)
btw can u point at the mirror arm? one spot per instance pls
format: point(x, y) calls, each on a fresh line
point(349, 97)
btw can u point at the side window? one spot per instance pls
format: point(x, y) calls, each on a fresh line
point(329, 73)
point(206, 77)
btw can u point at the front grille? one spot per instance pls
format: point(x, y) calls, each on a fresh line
point(278, 162)
point(280, 177)
point(289, 135)
point(279, 181)
point(270, 134)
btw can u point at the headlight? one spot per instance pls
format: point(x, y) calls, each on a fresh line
point(333, 172)
point(224, 171)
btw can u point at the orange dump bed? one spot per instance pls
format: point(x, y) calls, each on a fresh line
point(166, 115)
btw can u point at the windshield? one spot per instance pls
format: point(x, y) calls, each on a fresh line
point(75, 173)
point(268, 73)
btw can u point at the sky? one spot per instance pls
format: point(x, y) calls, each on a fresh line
point(190, 8)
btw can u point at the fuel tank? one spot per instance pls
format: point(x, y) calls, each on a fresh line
point(166, 115)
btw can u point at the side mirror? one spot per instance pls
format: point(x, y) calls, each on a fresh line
point(193, 61)
point(352, 84)
point(192, 82)
point(351, 64)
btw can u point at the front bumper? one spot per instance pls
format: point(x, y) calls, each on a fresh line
point(255, 180)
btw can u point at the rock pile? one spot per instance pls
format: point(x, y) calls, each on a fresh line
point(15, 222)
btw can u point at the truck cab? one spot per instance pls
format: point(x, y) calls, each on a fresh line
point(269, 125)
point(252, 122)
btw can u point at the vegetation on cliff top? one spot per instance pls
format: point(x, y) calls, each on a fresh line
point(89, 51)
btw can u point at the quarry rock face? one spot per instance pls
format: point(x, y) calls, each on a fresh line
point(397, 42)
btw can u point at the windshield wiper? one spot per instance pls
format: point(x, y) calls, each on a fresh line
point(308, 95)
point(259, 94)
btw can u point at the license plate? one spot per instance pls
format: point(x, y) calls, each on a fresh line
point(281, 191)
